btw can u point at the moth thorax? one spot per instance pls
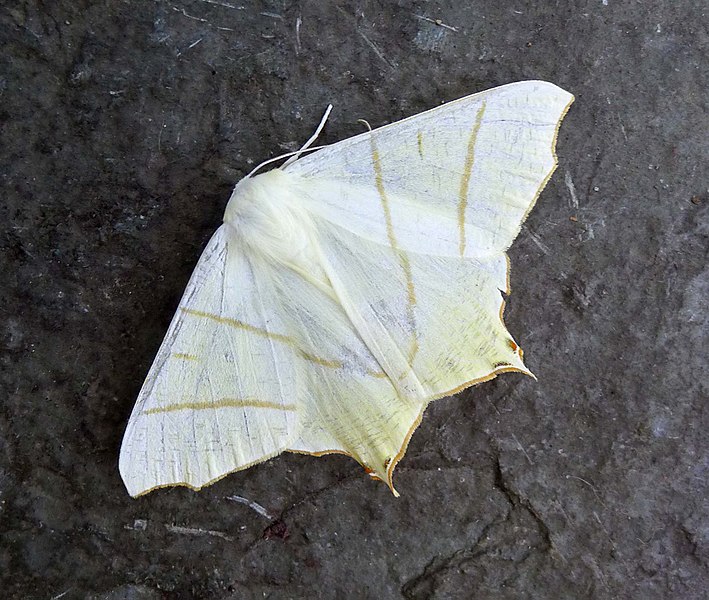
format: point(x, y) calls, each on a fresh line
point(269, 218)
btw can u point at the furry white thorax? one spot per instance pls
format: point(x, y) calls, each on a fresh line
point(271, 220)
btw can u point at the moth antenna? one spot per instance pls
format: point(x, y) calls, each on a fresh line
point(282, 156)
point(313, 137)
point(365, 123)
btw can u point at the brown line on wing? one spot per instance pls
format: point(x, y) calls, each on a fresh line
point(402, 256)
point(184, 356)
point(240, 325)
point(377, 374)
point(465, 179)
point(333, 364)
point(222, 403)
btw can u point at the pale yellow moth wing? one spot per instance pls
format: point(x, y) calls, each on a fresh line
point(457, 180)
point(221, 393)
point(414, 219)
point(345, 291)
point(349, 405)
point(433, 322)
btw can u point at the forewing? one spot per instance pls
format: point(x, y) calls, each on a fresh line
point(221, 393)
point(457, 180)
point(413, 223)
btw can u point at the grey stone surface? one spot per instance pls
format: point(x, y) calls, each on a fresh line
point(124, 126)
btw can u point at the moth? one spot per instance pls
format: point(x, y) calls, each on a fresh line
point(345, 291)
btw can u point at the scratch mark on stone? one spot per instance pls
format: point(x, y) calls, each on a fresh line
point(255, 506)
point(376, 50)
point(298, 23)
point(224, 4)
point(192, 45)
point(197, 532)
point(572, 190)
point(538, 242)
point(622, 128)
point(436, 22)
point(593, 487)
point(514, 437)
point(588, 560)
point(184, 12)
point(598, 520)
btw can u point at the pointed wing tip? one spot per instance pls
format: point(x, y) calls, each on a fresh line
point(548, 84)
point(534, 82)
point(390, 484)
point(528, 372)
